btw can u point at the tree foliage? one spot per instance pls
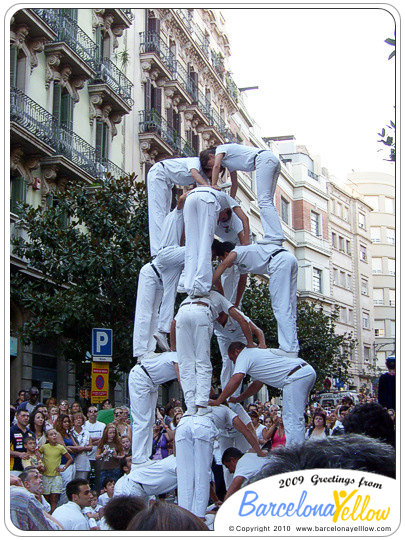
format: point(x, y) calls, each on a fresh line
point(388, 137)
point(320, 345)
point(89, 246)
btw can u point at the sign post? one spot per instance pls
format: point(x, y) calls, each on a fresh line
point(101, 350)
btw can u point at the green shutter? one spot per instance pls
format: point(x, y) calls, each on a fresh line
point(18, 192)
point(13, 66)
point(57, 97)
point(66, 112)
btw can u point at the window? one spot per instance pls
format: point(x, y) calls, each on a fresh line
point(389, 205)
point(363, 253)
point(392, 328)
point(350, 316)
point(342, 279)
point(101, 139)
point(341, 243)
point(366, 320)
point(366, 354)
point(343, 314)
point(362, 221)
point(346, 214)
point(339, 210)
point(317, 280)
point(364, 287)
point(372, 200)
point(335, 276)
point(315, 223)
point(379, 328)
point(375, 233)
point(376, 264)
point(378, 297)
point(285, 210)
point(390, 236)
point(348, 247)
point(334, 240)
point(333, 206)
point(392, 297)
point(18, 192)
point(349, 282)
point(391, 267)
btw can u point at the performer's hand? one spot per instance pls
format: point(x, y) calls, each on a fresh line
point(216, 187)
point(233, 400)
point(251, 345)
point(262, 453)
point(213, 402)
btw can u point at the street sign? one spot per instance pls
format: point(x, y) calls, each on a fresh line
point(102, 358)
point(101, 342)
point(99, 382)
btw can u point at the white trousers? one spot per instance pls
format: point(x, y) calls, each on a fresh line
point(201, 211)
point(283, 269)
point(143, 395)
point(194, 448)
point(170, 264)
point(267, 172)
point(229, 280)
point(295, 396)
point(159, 202)
point(148, 298)
point(193, 340)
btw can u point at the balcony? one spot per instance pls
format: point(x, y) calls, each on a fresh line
point(162, 137)
point(155, 51)
point(31, 125)
point(182, 86)
point(41, 22)
point(313, 175)
point(199, 38)
point(121, 17)
point(73, 46)
point(113, 85)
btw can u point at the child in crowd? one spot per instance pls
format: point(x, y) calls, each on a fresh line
point(108, 485)
point(52, 453)
point(93, 513)
point(34, 457)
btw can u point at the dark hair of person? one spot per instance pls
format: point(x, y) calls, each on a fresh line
point(58, 425)
point(32, 418)
point(319, 413)
point(163, 516)
point(370, 419)
point(230, 453)
point(168, 408)
point(119, 511)
point(106, 481)
point(24, 476)
point(116, 440)
point(220, 248)
point(204, 156)
point(348, 451)
point(236, 346)
point(390, 362)
point(73, 487)
point(343, 408)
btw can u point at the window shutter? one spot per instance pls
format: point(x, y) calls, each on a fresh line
point(57, 97)
point(18, 192)
point(148, 95)
point(99, 42)
point(169, 116)
point(157, 99)
point(195, 142)
point(153, 25)
point(66, 114)
point(177, 123)
point(99, 138)
point(13, 66)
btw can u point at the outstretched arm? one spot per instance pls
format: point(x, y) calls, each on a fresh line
point(237, 315)
point(173, 335)
point(216, 169)
point(234, 180)
point(226, 263)
point(198, 178)
point(249, 436)
point(240, 289)
point(245, 239)
point(229, 389)
point(251, 390)
point(258, 332)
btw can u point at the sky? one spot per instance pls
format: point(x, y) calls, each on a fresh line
point(323, 76)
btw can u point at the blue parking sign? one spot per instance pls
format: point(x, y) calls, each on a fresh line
point(101, 341)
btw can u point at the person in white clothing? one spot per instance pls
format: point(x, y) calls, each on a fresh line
point(143, 385)
point(282, 268)
point(96, 430)
point(294, 376)
point(203, 208)
point(238, 157)
point(242, 466)
point(148, 298)
point(70, 515)
point(160, 180)
point(191, 336)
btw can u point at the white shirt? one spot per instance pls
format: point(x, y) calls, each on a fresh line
point(232, 330)
point(160, 367)
point(229, 230)
point(215, 301)
point(262, 365)
point(178, 170)
point(222, 417)
point(172, 229)
point(104, 498)
point(238, 157)
point(70, 516)
point(254, 257)
point(157, 477)
point(95, 431)
point(259, 431)
point(82, 460)
point(122, 486)
point(223, 199)
point(249, 465)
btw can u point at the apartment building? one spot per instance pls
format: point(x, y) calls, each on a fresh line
point(377, 190)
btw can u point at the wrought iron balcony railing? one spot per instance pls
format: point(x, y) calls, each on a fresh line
point(31, 116)
point(43, 125)
point(108, 72)
point(128, 13)
point(313, 175)
point(201, 39)
point(151, 42)
point(151, 122)
point(232, 87)
point(180, 74)
point(68, 31)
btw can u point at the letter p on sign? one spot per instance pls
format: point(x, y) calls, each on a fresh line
point(101, 342)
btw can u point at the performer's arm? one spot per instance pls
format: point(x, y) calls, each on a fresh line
point(173, 335)
point(198, 178)
point(229, 389)
point(258, 332)
point(245, 221)
point(226, 263)
point(240, 289)
point(235, 314)
point(216, 169)
point(251, 390)
point(234, 180)
point(176, 369)
point(235, 486)
point(251, 439)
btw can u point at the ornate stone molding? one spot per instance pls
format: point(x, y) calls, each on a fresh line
point(24, 165)
point(104, 113)
point(19, 37)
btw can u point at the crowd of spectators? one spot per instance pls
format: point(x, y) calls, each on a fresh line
point(65, 461)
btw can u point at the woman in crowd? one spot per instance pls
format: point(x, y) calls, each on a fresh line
point(63, 406)
point(74, 408)
point(84, 442)
point(63, 427)
point(318, 429)
point(106, 404)
point(258, 426)
point(53, 413)
point(267, 431)
point(37, 426)
point(276, 433)
point(120, 423)
point(162, 436)
point(176, 420)
point(109, 453)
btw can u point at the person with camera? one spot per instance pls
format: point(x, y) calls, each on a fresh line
point(162, 436)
